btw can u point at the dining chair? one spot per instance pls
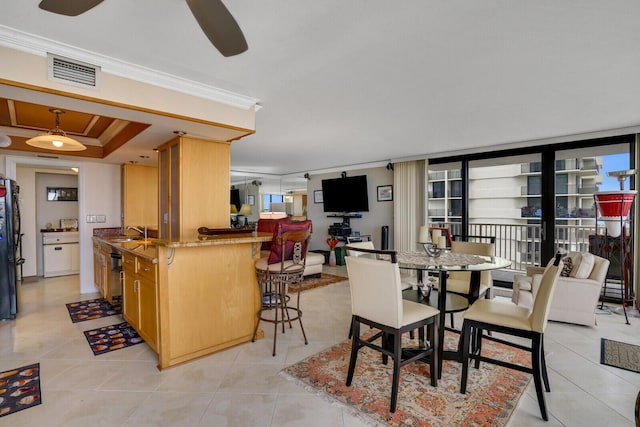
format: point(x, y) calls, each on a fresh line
point(510, 319)
point(376, 300)
point(283, 267)
point(459, 282)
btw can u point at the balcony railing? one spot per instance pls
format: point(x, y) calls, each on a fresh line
point(521, 244)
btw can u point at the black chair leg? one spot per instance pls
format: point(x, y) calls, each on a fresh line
point(477, 345)
point(397, 352)
point(465, 337)
point(543, 362)
point(537, 374)
point(355, 328)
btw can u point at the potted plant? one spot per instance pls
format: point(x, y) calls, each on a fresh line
point(332, 241)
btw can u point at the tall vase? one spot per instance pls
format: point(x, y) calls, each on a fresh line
point(332, 258)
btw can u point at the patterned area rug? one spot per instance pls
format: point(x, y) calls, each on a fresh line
point(492, 394)
point(312, 282)
point(114, 337)
point(19, 389)
point(620, 355)
point(93, 309)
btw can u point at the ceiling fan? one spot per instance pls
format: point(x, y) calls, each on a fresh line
point(214, 18)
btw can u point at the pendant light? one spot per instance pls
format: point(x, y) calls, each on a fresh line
point(56, 139)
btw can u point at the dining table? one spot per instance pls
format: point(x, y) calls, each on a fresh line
point(440, 266)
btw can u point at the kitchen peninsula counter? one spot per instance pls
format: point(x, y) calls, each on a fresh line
point(206, 292)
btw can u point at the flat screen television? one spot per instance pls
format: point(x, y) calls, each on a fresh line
point(347, 194)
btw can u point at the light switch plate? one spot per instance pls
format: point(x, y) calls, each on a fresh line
point(101, 218)
point(91, 218)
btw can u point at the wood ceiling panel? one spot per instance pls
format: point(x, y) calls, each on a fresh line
point(5, 118)
point(100, 126)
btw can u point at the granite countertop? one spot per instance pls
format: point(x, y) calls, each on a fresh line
point(148, 248)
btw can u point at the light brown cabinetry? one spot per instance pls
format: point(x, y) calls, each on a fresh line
point(139, 196)
point(194, 186)
point(99, 268)
point(140, 297)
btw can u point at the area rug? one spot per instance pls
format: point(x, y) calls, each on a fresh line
point(492, 393)
point(19, 389)
point(82, 311)
point(114, 337)
point(620, 355)
point(316, 282)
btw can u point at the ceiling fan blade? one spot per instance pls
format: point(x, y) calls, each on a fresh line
point(68, 7)
point(219, 26)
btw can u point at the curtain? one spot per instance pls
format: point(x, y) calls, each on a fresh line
point(408, 206)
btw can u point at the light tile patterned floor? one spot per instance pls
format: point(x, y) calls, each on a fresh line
point(240, 386)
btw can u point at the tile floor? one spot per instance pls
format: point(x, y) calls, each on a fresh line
point(241, 387)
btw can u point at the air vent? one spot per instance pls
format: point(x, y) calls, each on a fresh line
point(72, 72)
point(46, 156)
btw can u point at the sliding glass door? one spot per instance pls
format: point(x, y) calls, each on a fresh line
point(534, 201)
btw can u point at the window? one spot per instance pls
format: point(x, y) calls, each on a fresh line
point(267, 199)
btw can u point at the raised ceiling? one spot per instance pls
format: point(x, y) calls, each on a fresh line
point(101, 134)
point(350, 83)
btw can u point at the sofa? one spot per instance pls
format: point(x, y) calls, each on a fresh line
point(314, 261)
point(577, 290)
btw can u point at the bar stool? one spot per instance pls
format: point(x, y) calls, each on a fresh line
point(283, 267)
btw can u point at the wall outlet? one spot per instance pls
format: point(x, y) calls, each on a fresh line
point(91, 218)
point(101, 218)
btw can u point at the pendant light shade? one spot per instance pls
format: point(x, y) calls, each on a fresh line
point(56, 139)
point(5, 141)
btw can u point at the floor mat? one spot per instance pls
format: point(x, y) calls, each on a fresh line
point(19, 389)
point(114, 337)
point(620, 355)
point(93, 309)
point(492, 394)
point(316, 282)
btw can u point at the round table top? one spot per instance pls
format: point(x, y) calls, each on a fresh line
point(450, 261)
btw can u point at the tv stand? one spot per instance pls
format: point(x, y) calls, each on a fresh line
point(346, 218)
point(344, 229)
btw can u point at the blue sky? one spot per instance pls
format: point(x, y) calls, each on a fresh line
point(614, 162)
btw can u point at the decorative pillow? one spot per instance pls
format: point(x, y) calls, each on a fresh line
point(568, 266)
point(269, 226)
point(276, 251)
point(583, 269)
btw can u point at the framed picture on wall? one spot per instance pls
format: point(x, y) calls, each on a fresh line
point(385, 193)
point(62, 194)
point(251, 200)
point(317, 196)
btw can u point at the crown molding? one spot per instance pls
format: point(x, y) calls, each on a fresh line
point(40, 46)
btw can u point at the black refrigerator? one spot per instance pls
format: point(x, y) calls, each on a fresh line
point(9, 243)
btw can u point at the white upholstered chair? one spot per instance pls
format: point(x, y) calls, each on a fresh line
point(576, 295)
point(376, 300)
point(459, 282)
point(506, 318)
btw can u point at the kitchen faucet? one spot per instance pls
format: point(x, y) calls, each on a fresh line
point(142, 231)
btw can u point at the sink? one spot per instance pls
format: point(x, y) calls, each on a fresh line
point(124, 239)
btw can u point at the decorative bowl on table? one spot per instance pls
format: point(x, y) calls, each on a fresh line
point(432, 249)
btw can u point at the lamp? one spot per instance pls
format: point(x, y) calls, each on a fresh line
point(233, 209)
point(5, 141)
point(245, 210)
point(56, 139)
